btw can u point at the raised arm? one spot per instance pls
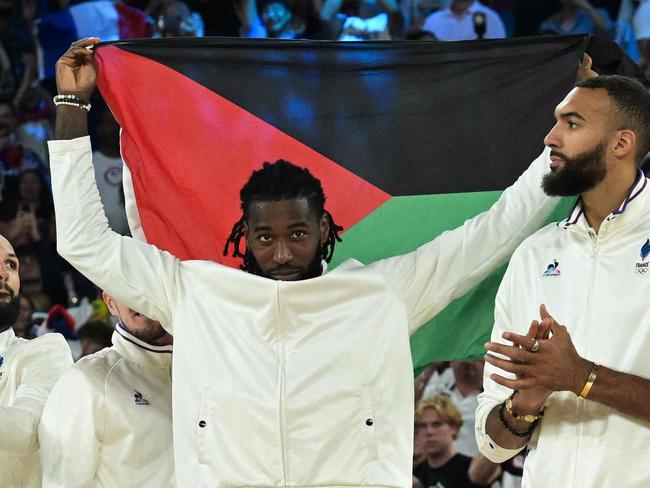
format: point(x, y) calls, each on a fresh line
point(137, 274)
point(444, 269)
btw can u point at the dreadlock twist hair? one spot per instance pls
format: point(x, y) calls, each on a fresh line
point(277, 181)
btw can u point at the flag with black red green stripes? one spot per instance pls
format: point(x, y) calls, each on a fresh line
point(409, 139)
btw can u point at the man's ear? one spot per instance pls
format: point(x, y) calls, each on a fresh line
point(324, 228)
point(625, 143)
point(245, 231)
point(110, 303)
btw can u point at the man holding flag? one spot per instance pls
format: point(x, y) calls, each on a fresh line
point(304, 379)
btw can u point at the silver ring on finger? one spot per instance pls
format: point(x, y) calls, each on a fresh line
point(535, 347)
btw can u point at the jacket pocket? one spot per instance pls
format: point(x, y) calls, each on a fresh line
point(235, 439)
point(369, 425)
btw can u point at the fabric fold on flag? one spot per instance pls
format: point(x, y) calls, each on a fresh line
point(408, 138)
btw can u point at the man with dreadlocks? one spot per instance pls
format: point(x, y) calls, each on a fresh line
point(301, 380)
point(293, 194)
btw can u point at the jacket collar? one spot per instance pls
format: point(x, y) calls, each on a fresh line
point(631, 208)
point(7, 339)
point(139, 351)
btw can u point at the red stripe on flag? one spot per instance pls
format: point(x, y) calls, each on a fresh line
point(190, 151)
point(132, 22)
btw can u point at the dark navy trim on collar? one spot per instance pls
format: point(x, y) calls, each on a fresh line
point(635, 190)
point(157, 348)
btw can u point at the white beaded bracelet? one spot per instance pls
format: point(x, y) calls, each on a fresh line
point(72, 101)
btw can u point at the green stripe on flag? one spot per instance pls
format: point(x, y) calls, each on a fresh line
point(404, 223)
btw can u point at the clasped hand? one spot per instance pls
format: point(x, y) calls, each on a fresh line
point(555, 366)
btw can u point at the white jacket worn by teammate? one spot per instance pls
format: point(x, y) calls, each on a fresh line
point(305, 383)
point(108, 422)
point(597, 285)
point(28, 371)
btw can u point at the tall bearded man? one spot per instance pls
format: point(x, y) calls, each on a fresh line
point(577, 395)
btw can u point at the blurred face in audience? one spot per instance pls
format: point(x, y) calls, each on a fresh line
point(24, 319)
point(468, 371)
point(30, 187)
point(9, 285)
point(7, 119)
point(578, 142)
point(275, 18)
point(140, 326)
point(437, 435)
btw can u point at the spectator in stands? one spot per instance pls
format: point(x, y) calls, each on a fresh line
point(125, 388)
point(641, 22)
point(506, 10)
point(34, 193)
point(28, 371)
point(439, 421)
point(579, 17)
point(414, 12)
point(356, 20)
point(175, 19)
point(31, 277)
point(465, 20)
point(94, 336)
point(23, 325)
point(13, 156)
point(463, 387)
point(274, 19)
point(108, 172)
point(34, 110)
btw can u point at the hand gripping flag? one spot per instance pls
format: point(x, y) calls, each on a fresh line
point(408, 139)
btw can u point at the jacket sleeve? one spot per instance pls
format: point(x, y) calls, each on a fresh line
point(137, 274)
point(71, 430)
point(438, 272)
point(48, 357)
point(494, 394)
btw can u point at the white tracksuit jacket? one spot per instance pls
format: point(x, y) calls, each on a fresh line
point(598, 286)
point(108, 421)
point(280, 384)
point(28, 371)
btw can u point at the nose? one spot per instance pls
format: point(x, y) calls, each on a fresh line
point(4, 272)
point(282, 253)
point(552, 139)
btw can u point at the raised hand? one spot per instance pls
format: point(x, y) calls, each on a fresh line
point(75, 70)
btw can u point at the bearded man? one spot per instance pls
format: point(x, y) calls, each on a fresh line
point(108, 422)
point(28, 371)
point(578, 395)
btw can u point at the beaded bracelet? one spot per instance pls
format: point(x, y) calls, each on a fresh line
point(72, 101)
point(503, 420)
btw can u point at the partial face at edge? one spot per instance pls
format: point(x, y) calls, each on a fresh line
point(9, 285)
point(141, 326)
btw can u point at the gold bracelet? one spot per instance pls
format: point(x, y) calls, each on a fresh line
point(530, 418)
point(590, 382)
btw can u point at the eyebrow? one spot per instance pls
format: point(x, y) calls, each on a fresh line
point(290, 226)
point(568, 115)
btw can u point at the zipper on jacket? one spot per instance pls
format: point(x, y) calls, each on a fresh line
point(281, 372)
point(593, 241)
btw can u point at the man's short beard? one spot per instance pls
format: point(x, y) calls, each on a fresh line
point(9, 313)
point(314, 269)
point(579, 174)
